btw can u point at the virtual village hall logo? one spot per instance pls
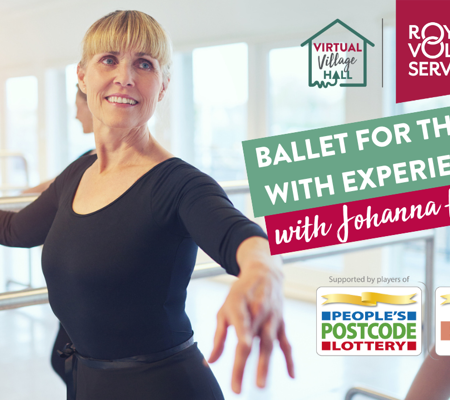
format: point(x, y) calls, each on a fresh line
point(331, 63)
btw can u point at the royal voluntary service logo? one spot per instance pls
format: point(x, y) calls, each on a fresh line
point(332, 63)
point(422, 49)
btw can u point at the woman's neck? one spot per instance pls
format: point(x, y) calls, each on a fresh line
point(119, 148)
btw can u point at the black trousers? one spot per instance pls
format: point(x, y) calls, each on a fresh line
point(182, 376)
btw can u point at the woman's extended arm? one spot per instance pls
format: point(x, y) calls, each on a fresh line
point(254, 304)
point(254, 307)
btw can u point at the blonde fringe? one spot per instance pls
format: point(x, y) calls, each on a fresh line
point(122, 30)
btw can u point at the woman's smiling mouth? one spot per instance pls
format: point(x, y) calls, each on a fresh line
point(119, 100)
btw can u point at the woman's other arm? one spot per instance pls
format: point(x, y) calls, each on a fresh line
point(432, 381)
point(29, 227)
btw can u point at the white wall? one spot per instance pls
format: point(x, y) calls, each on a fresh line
point(50, 32)
point(41, 35)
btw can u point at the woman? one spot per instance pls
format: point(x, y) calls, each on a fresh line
point(85, 117)
point(120, 231)
point(83, 113)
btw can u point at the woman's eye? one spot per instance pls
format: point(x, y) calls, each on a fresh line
point(145, 65)
point(108, 61)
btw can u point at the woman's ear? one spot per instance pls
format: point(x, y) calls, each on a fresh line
point(164, 88)
point(81, 74)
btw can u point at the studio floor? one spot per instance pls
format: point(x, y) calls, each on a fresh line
point(27, 334)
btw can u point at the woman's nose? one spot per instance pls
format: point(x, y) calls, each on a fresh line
point(124, 76)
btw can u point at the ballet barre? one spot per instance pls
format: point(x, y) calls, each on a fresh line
point(32, 296)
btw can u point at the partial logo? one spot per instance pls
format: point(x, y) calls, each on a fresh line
point(422, 49)
point(362, 321)
point(335, 62)
point(442, 321)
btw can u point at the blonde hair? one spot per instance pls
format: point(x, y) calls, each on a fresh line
point(122, 30)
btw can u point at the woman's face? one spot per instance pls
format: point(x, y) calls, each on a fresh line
point(83, 114)
point(123, 88)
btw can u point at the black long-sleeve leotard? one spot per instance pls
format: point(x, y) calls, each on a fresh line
point(117, 277)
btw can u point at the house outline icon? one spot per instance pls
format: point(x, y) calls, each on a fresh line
point(365, 41)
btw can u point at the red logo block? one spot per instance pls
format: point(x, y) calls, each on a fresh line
point(326, 346)
point(422, 49)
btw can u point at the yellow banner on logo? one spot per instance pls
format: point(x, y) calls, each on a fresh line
point(369, 299)
point(447, 299)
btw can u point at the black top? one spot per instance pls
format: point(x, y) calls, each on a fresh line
point(117, 277)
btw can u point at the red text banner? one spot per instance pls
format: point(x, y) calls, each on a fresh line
point(358, 220)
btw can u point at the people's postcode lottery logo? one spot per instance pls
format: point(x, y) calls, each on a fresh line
point(371, 320)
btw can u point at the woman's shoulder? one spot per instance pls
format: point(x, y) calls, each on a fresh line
point(176, 168)
point(175, 171)
point(178, 186)
point(177, 182)
point(174, 164)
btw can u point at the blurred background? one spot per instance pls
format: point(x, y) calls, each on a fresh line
point(238, 73)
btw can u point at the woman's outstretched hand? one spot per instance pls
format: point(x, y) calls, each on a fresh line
point(254, 307)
